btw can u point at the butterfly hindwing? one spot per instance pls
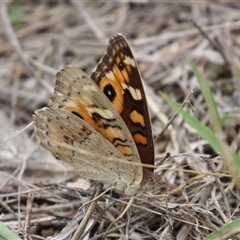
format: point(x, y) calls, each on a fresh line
point(72, 140)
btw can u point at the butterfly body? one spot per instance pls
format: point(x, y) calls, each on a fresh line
point(101, 125)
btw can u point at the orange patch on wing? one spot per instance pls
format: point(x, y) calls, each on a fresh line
point(109, 133)
point(123, 75)
point(112, 133)
point(81, 110)
point(138, 138)
point(137, 118)
point(126, 151)
point(118, 100)
point(115, 78)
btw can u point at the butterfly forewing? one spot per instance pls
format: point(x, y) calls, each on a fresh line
point(117, 75)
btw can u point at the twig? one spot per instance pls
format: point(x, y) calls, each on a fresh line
point(187, 100)
point(88, 214)
point(28, 216)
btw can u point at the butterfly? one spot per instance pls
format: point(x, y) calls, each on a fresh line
point(100, 124)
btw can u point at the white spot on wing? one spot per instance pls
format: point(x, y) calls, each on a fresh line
point(129, 61)
point(110, 75)
point(136, 93)
point(105, 113)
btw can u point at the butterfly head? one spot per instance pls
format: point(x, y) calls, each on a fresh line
point(152, 183)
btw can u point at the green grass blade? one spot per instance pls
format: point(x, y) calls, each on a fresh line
point(208, 96)
point(7, 234)
point(226, 232)
point(218, 145)
point(14, 15)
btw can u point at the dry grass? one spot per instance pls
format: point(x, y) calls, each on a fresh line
point(162, 35)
